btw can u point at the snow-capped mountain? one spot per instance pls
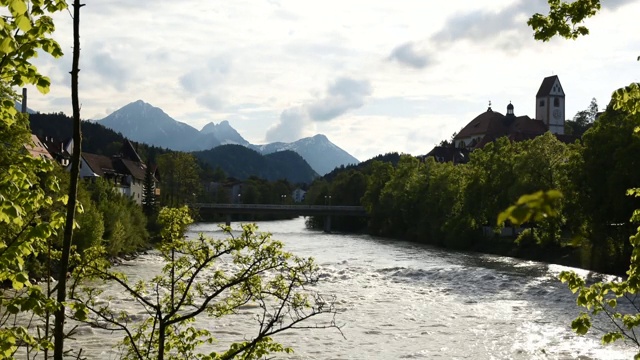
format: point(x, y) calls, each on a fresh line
point(140, 121)
point(318, 151)
point(224, 133)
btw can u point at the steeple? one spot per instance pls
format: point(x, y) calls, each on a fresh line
point(550, 104)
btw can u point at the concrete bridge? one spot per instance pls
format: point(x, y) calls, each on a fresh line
point(299, 210)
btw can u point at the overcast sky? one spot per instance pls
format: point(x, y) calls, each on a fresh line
point(373, 76)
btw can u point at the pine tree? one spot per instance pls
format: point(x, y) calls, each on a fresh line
point(149, 192)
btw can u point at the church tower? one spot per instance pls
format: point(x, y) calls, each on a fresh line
point(550, 104)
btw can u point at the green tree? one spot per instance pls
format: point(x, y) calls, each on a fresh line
point(149, 203)
point(582, 120)
point(565, 19)
point(25, 190)
point(180, 181)
point(192, 285)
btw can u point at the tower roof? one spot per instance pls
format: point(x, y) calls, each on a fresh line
point(546, 88)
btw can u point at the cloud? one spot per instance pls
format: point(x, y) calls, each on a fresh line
point(210, 101)
point(343, 95)
point(291, 127)
point(206, 76)
point(205, 82)
point(486, 25)
point(110, 70)
point(407, 54)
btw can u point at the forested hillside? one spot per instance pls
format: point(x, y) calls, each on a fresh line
point(241, 163)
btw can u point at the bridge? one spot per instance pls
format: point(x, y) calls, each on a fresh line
point(298, 210)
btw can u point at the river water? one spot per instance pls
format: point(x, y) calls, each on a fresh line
point(401, 300)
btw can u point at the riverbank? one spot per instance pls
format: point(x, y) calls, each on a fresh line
point(566, 253)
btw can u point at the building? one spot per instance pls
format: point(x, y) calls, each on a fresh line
point(59, 150)
point(298, 195)
point(126, 171)
point(37, 149)
point(491, 125)
point(550, 105)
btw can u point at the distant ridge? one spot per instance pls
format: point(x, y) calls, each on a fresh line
point(140, 121)
point(320, 153)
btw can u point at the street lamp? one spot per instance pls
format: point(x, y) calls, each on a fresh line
point(327, 199)
point(239, 198)
point(283, 198)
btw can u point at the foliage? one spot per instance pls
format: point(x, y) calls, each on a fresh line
point(603, 297)
point(240, 162)
point(26, 190)
point(179, 175)
point(149, 201)
point(195, 283)
point(582, 121)
point(124, 222)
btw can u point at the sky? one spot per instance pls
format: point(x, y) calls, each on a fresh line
point(373, 76)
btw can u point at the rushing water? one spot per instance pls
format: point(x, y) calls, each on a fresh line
point(401, 300)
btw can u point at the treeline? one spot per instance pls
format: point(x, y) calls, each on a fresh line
point(456, 206)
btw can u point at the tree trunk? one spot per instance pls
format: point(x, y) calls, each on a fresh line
point(58, 331)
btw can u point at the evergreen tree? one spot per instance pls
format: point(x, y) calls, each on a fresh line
point(149, 203)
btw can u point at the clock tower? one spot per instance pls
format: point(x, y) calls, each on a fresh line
point(550, 104)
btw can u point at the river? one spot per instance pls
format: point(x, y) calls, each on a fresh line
point(400, 300)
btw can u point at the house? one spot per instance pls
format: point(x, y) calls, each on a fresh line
point(298, 195)
point(37, 149)
point(59, 150)
point(126, 171)
point(491, 125)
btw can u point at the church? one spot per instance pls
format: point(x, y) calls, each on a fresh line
point(491, 125)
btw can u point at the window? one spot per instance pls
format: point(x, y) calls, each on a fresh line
point(556, 102)
point(541, 102)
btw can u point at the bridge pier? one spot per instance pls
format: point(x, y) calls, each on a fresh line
point(327, 224)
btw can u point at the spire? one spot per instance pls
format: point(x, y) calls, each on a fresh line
point(489, 109)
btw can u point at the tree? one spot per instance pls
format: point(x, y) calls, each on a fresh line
point(193, 284)
point(70, 223)
point(602, 297)
point(180, 180)
point(149, 203)
point(582, 120)
point(26, 192)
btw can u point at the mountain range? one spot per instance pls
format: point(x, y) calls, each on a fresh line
point(140, 121)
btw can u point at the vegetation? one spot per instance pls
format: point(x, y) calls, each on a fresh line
point(193, 284)
point(603, 298)
point(457, 206)
point(38, 207)
point(241, 163)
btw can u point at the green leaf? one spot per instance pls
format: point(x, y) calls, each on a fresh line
point(581, 324)
point(23, 23)
point(7, 45)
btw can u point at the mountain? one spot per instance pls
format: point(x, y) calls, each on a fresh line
point(143, 122)
point(241, 162)
point(223, 133)
point(18, 106)
point(320, 153)
point(235, 160)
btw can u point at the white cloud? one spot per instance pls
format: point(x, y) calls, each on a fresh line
point(201, 60)
point(342, 95)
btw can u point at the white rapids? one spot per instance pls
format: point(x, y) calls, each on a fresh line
point(400, 300)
